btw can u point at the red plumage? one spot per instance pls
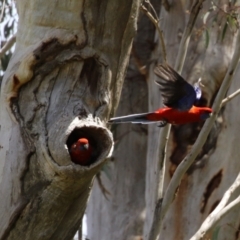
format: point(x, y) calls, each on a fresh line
point(81, 152)
point(167, 115)
point(173, 116)
point(178, 97)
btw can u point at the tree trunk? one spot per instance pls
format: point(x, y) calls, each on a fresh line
point(62, 83)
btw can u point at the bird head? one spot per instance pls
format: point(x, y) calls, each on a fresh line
point(198, 89)
point(205, 113)
point(81, 152)
point(82, 144)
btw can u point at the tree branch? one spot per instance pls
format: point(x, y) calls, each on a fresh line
point(228, 194)
point(156, 24)
point(197, 6)
point(220, 211)
point(230, 97)
point(2, 10)
point(7, 45)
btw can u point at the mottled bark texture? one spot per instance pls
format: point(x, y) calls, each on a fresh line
point(217, 165)
point(63, 82)
point(122, 216)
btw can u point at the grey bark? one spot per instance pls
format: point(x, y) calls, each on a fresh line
point(63, 82)
point(216, 166)
point(195, 198)
point(122, 216)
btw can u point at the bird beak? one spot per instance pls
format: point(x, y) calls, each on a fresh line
point(86, 146)
point(200, 82)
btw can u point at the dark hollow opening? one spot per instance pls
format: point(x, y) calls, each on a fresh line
point(92, 71)
point(97, 138)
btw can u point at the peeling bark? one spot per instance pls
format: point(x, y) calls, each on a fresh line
point(63, 82)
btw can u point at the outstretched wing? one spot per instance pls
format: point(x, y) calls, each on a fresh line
point(176, 92)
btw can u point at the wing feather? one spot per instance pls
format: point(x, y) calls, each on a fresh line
point(176, 92)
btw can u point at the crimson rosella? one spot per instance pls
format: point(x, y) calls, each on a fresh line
point(176, 92)
point(81, 152)
point(178, 97)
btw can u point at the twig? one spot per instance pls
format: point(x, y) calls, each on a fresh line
point(162, 160)
point(197, 6)
point(230, 97)
point(213, 220)
point(7, 45)
point(153, 9)
point(202, 137)
point(220, 211)
point(141, 68)
point(158, 214)
point(156, 24)
point(2, 11)
point(228, 194)
point(104, 191)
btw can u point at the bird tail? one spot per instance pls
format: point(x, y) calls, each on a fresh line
point(134, 118)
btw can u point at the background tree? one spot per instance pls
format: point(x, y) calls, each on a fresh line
point(209, 55)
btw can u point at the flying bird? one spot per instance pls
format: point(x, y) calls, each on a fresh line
point(176, 92)
point(166, 115)
point(81, 152)
point(179, 98)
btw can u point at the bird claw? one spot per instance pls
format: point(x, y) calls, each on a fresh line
point(162, 124)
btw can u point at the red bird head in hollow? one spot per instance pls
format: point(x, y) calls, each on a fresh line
point(81, 152)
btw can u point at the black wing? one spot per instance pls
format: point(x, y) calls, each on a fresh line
point(176, 92)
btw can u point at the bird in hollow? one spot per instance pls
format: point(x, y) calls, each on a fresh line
point(81, 152)
point(178, 97)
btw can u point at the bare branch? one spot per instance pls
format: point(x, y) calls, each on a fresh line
point(153, 9)
point(138, 62)
point(2, 10)
point(103, 189)
point(7, 45)
point(235, 186)
point(197, 6)
point(156, 24)
point(220, 211)
point(161, 164)
point(230, 97)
